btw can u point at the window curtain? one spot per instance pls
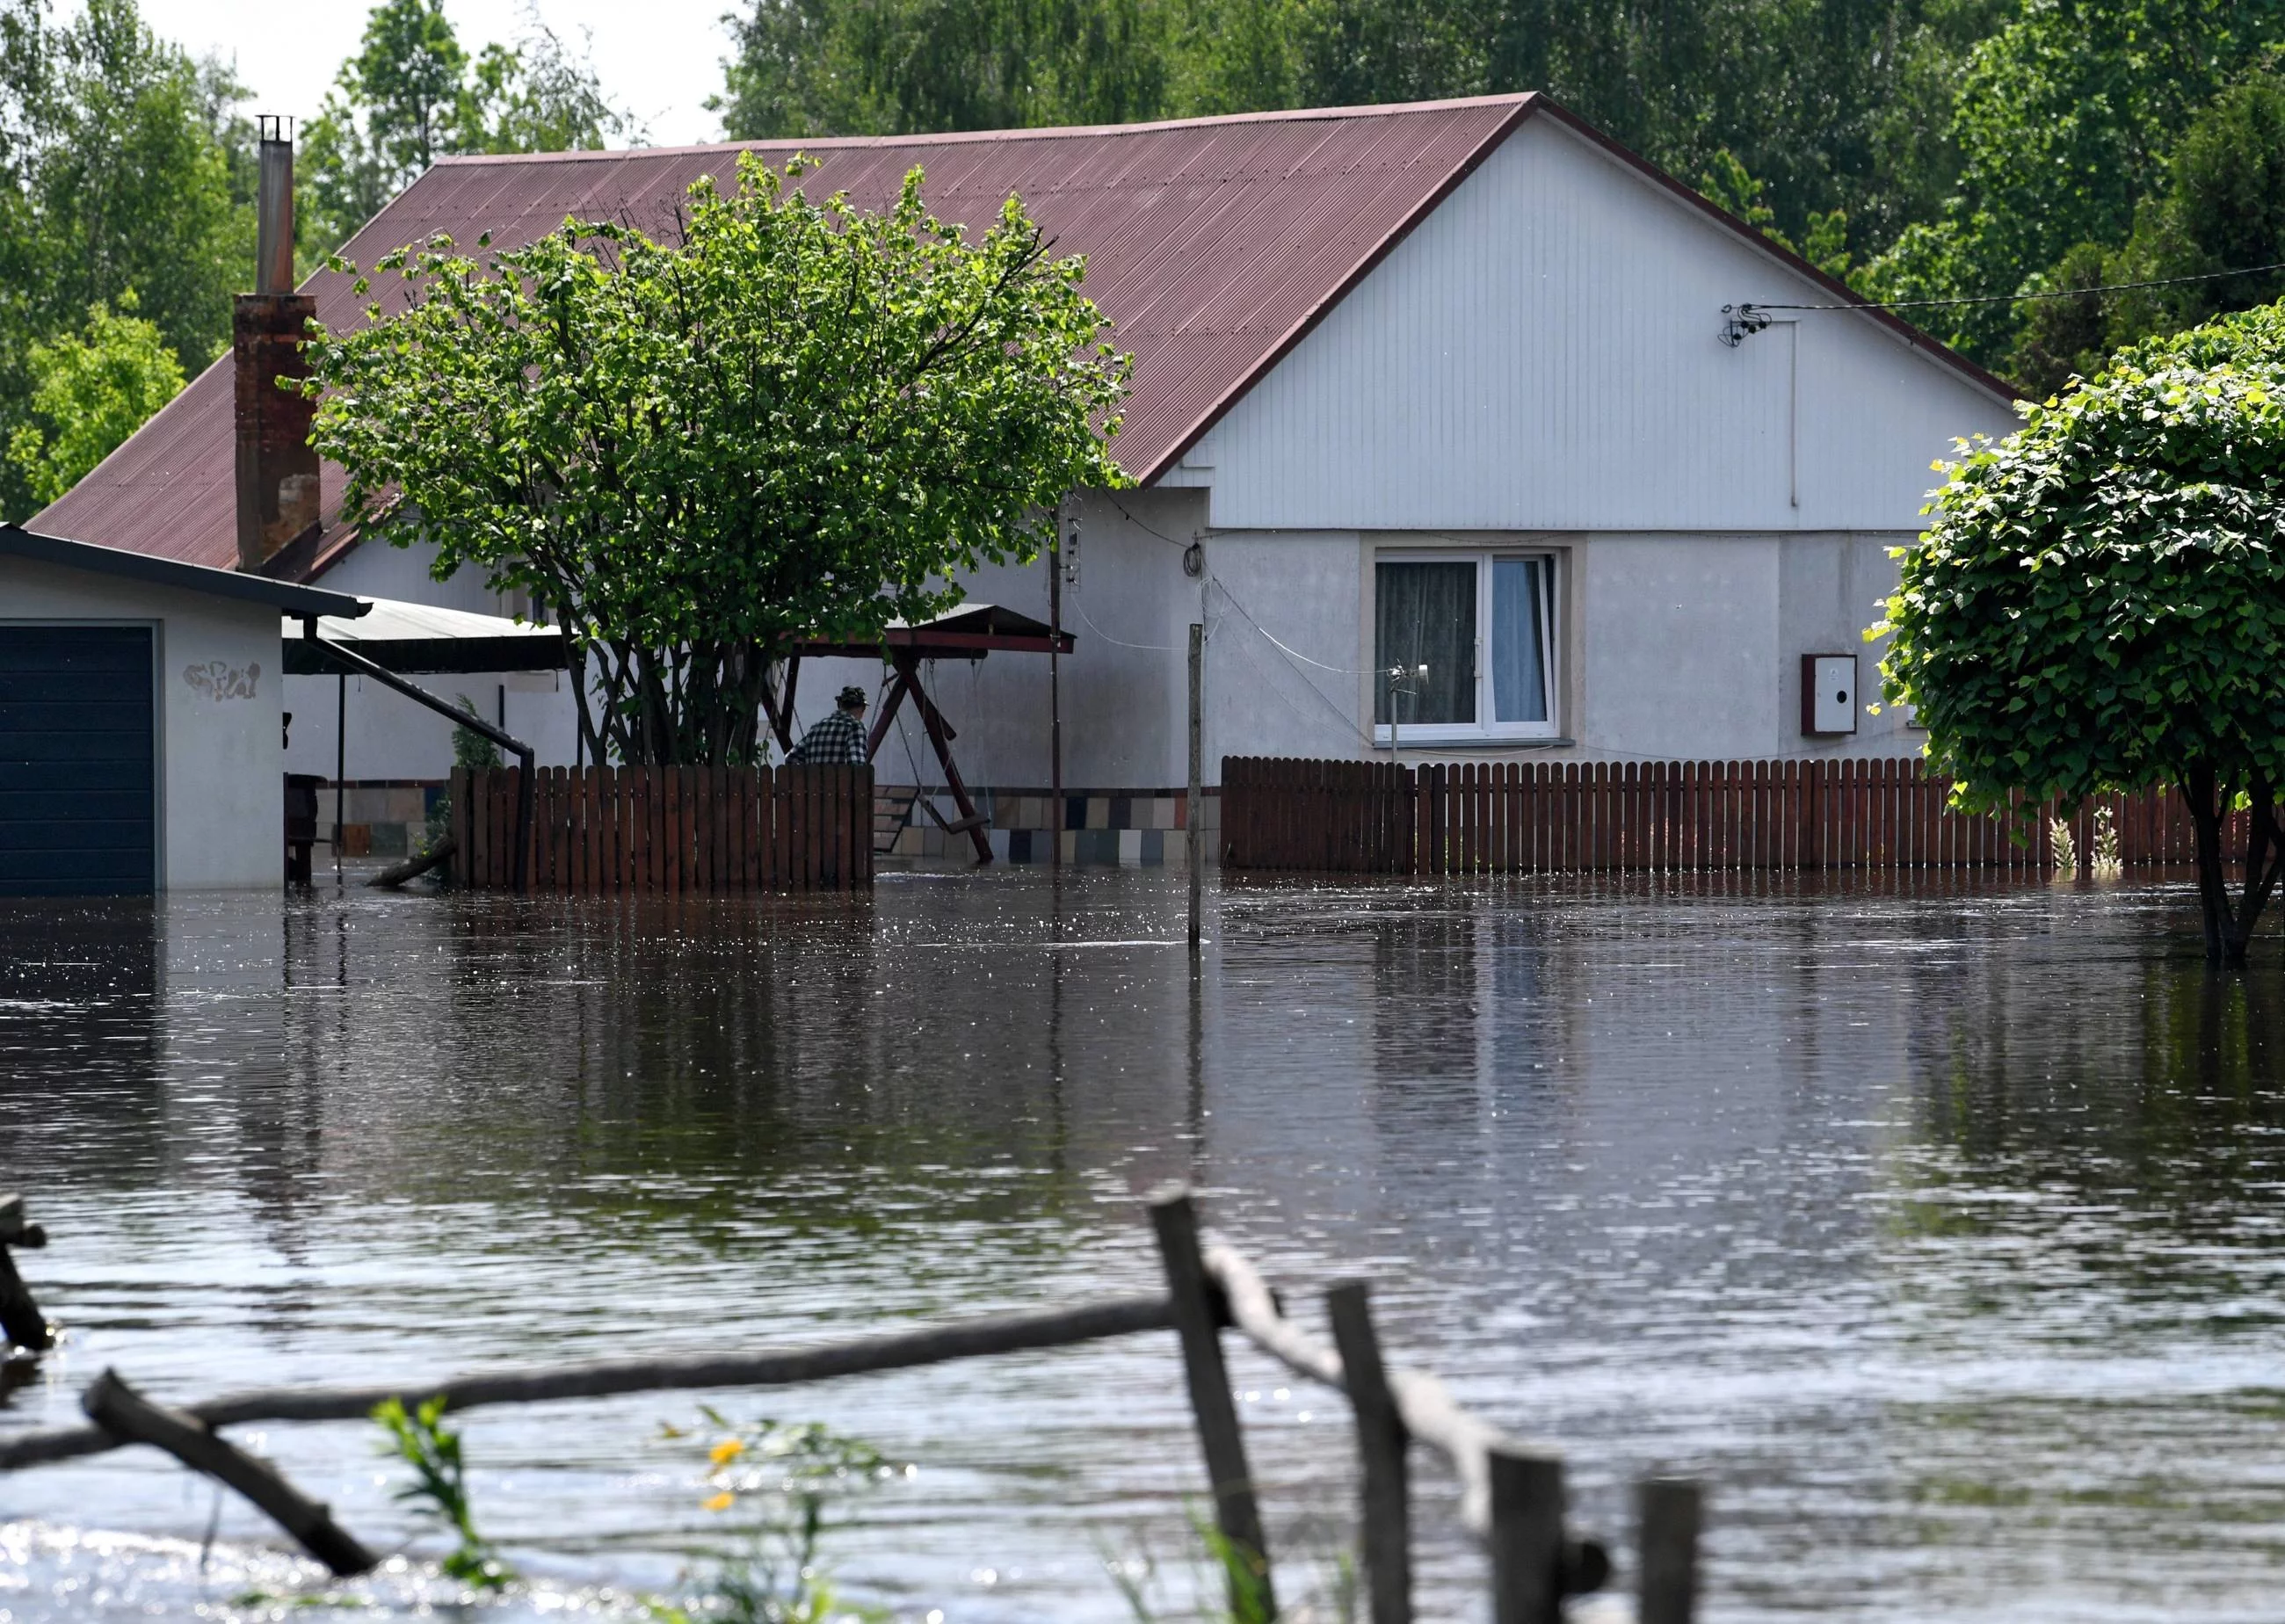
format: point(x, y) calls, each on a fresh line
point(1424, 615)
point(1519, 594)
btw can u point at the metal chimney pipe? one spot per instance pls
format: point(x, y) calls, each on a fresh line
point(278, 490)
point(274, 268)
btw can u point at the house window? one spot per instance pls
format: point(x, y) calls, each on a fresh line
point(1464, 647)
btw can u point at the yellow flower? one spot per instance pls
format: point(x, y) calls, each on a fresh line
point(729, 1450)
point(719, 1502)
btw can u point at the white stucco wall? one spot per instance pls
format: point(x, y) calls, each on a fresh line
point(221, 794)
point(1670, 647)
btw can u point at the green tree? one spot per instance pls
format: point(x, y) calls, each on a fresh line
point(2064, 120)
point(1728, 183)
point(828, 68)
point(90, 390)
point(1843, 106)
point(800, 417)
point(2099, 603)
point(123, 167)
point(2220, 209)
point(411, 95)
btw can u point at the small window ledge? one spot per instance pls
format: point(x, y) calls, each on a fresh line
point(1449, 746)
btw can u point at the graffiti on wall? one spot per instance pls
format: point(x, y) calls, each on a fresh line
point(220, 682)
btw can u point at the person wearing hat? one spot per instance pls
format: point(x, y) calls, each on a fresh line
point(839, 739)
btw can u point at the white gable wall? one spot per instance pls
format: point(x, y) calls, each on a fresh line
point(1540, 353)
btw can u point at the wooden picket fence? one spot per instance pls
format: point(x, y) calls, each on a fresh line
point(615, 830)
point(1562, 817)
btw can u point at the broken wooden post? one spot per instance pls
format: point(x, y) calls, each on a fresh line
point(21, 1323)
point(1198, 1315)
point(119, 1409)
point(1527, 1537)
point(1671, 1513)
point(1386, 1512)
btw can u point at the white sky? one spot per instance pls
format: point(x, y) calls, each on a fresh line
point(658, 58)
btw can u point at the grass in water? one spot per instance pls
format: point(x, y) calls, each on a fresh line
point(1221, 1569)
point(786, 1473)
point(439, 1489)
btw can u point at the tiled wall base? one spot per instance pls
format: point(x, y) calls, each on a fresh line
point(1130, 829)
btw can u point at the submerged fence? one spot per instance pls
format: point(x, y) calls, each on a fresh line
point(1512, 1494)
point(1373, 816)
point(674, 830)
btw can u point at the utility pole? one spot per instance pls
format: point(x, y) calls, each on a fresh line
point(1055, 696)
point(1195, 846)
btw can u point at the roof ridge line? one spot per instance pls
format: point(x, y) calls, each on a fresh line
point(955, 137)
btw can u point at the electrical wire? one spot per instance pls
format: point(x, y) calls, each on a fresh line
point(1337, 671)
point(2052, 292)
point(1343, 717)
point(1346, 719)
point(1139, 525)
point(1073, 600)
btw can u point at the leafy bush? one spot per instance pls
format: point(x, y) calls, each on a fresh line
point(2099, 603)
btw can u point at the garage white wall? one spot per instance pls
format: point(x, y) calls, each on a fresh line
point(222, 793)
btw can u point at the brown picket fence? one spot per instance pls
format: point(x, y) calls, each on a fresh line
point(676, 830)
point(1562, 817)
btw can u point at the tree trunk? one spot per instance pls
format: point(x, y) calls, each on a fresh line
point(2229, 928)
point(2205, 820)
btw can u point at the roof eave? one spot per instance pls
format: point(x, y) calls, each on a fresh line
point(149, 569)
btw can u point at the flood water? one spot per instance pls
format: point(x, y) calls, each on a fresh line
point(1935, 1230)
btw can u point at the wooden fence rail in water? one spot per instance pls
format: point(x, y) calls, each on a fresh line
point(676, 830)
point(1512, 1492)
point(1563, 817)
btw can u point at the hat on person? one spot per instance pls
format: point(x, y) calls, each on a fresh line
point(852, 698)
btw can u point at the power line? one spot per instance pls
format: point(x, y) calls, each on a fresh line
point(1074, 600)
point(2052, 292)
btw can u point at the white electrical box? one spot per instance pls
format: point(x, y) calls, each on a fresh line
point(1828, 692)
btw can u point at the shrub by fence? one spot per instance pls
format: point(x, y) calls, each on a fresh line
point(1375, 817)
point(674, 829)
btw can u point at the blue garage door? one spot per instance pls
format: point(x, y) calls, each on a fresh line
point(75, 761)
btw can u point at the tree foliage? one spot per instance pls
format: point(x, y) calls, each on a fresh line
point(413, 94)
point(124, 177)
point(2099, 603)
point(1840, 107)
point(798, 417)
point(90, 389)
point(2200, 243)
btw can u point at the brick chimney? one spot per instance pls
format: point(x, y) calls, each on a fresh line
point(277, 470)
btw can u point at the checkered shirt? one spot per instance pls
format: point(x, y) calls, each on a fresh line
point(838, 740)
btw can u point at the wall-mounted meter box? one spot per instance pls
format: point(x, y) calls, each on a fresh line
point(1828, 692)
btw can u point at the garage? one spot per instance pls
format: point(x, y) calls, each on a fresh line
point(142, 720)
point(78, 761)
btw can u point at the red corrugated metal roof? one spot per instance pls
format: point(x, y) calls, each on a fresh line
point(1213, 245)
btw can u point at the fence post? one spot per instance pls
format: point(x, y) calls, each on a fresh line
point(1197, 791)
point(1198, 1315)
point(1670, 1514)
point(1527, 1537)
point(1386, 1512)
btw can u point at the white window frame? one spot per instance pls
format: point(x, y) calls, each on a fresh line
point(1429, 734)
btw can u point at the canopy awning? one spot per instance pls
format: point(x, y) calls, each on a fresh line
point(968, 632)
point(415, 638)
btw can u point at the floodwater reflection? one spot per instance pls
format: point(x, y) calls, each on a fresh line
point(1937, 1228)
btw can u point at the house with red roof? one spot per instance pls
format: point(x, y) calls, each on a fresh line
point(1464, 432)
